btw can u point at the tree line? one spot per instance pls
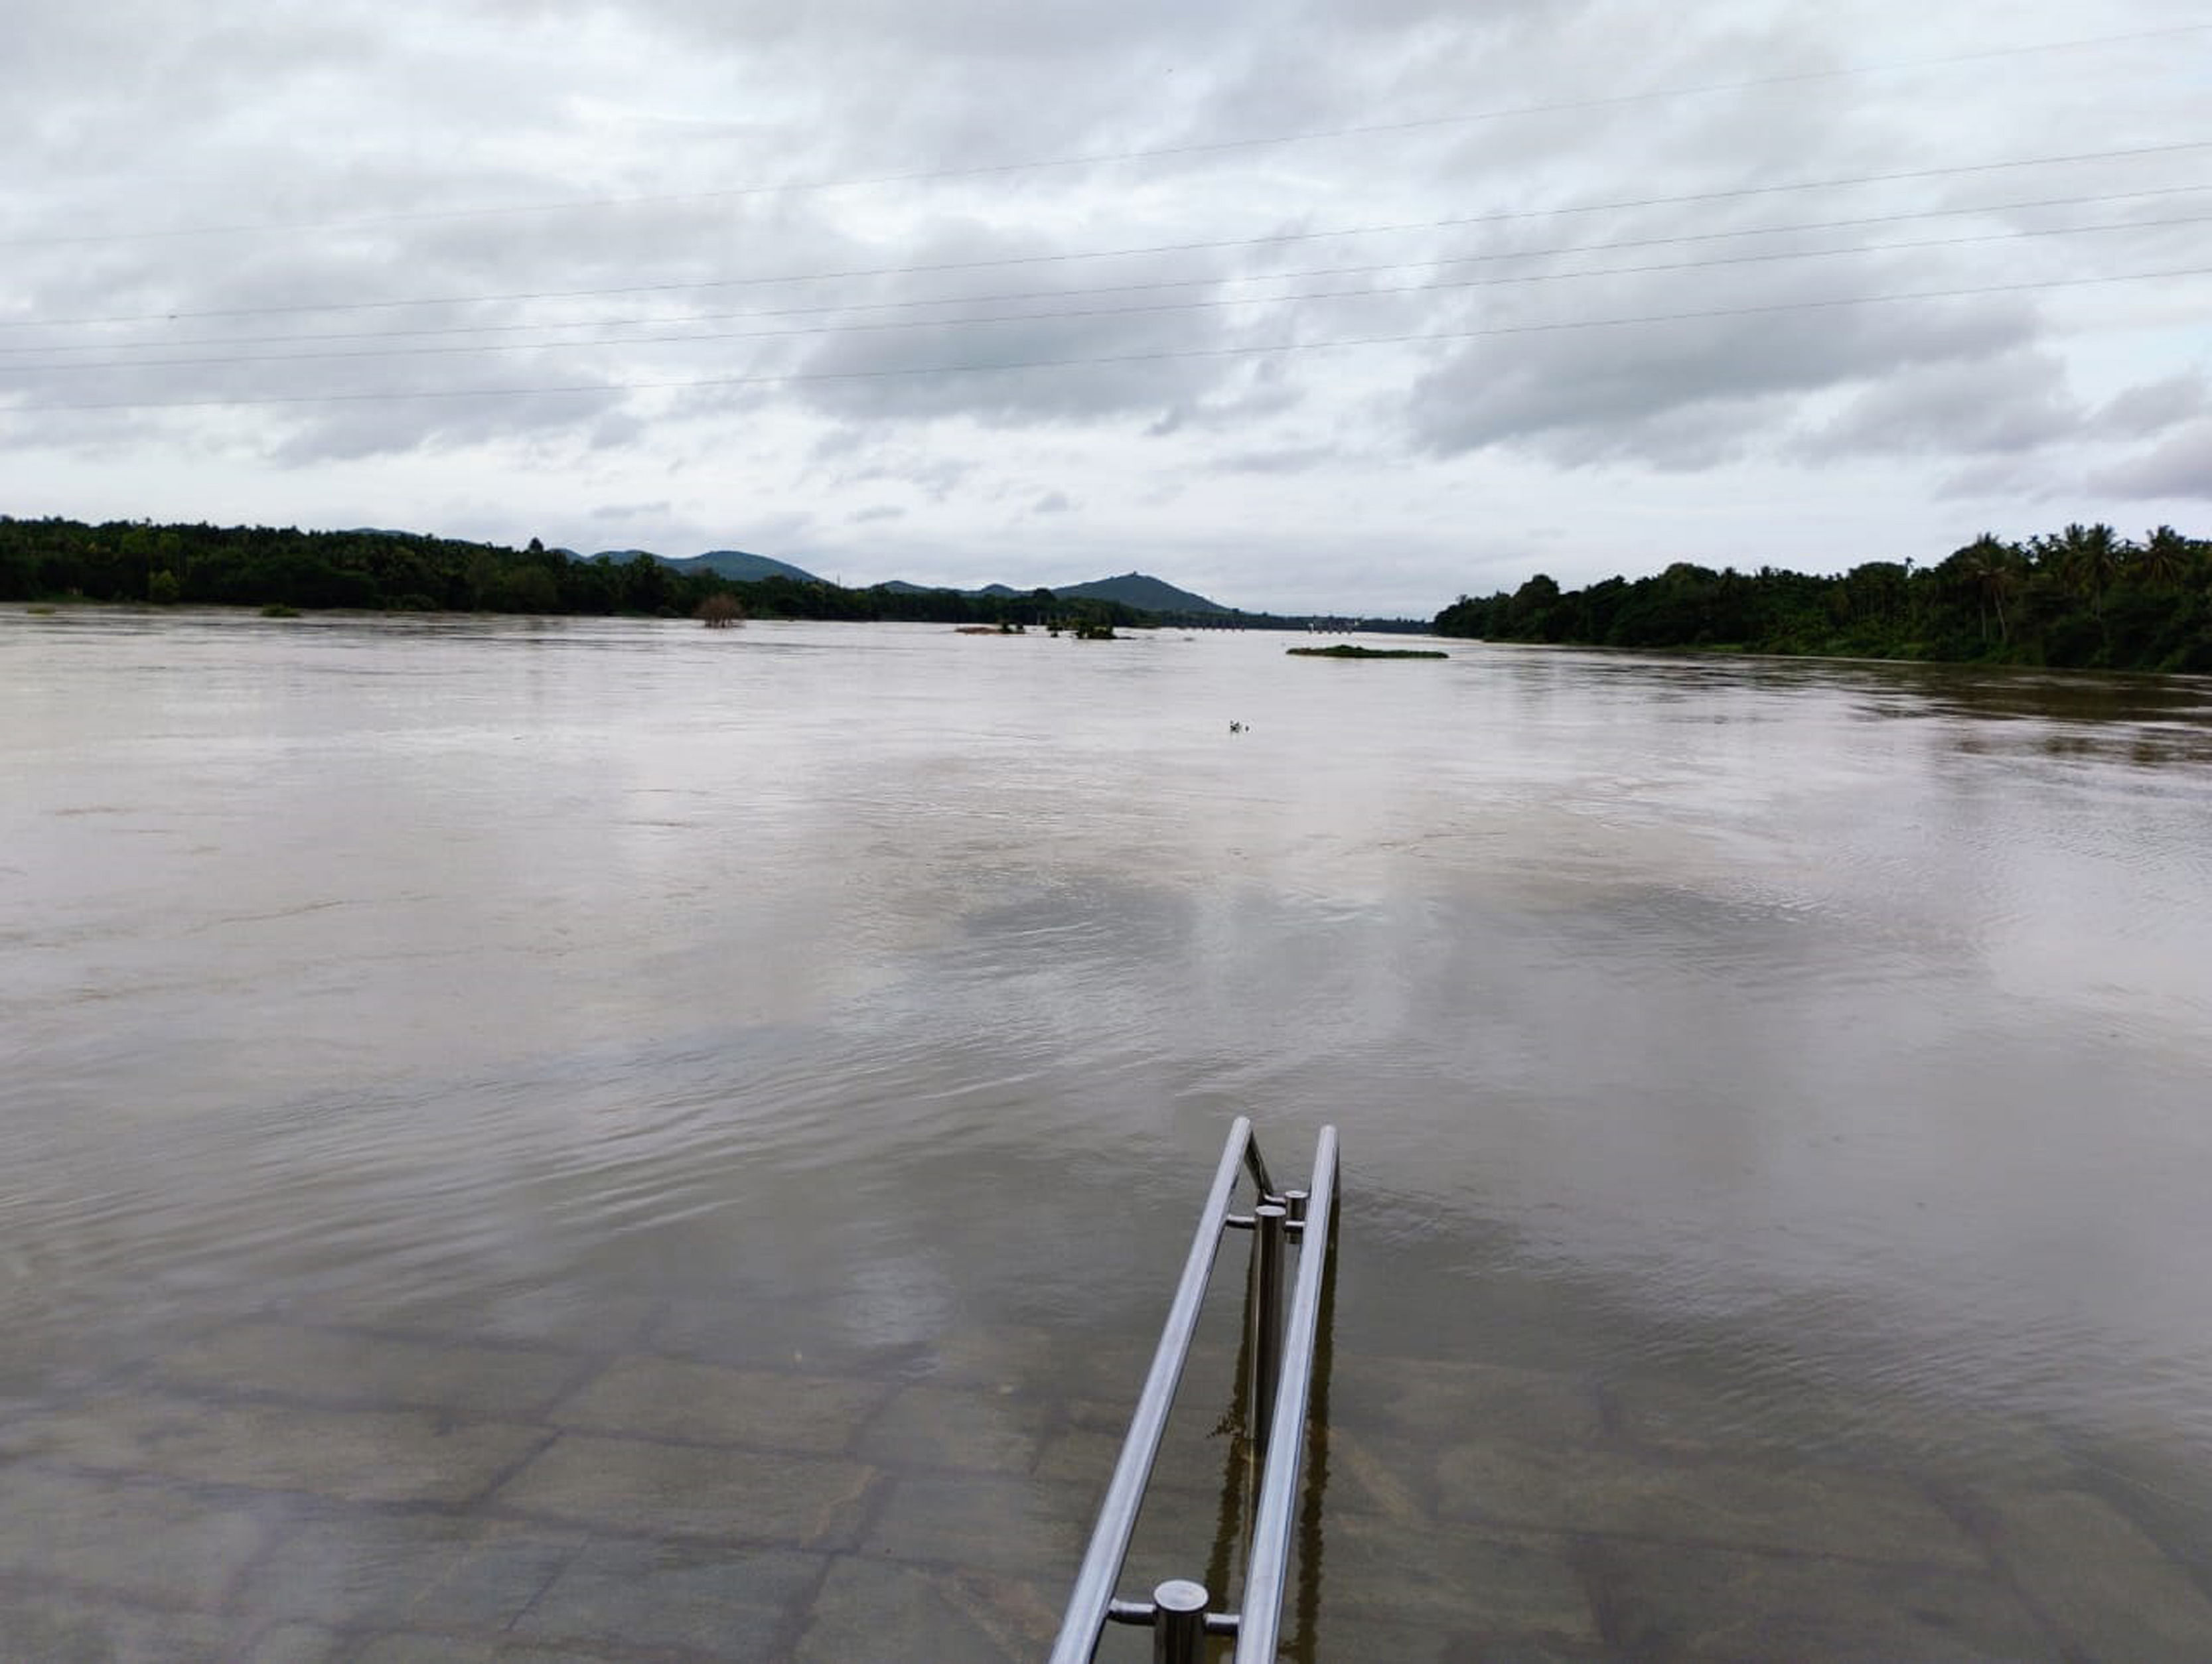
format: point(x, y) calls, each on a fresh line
point(2083, 598)
point(133, 561)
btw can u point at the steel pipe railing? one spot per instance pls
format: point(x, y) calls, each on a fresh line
point(1281, 1379)
point(1270, 1235)
point(1117, 1515)
point(1261, 1615)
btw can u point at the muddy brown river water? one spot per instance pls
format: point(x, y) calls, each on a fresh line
point(607, 1139)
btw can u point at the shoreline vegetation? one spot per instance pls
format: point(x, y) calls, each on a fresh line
point(1345, 650)
point(2081, 598)
point(2085, 597)
point(53, 560)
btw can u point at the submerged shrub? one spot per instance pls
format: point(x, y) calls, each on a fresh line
point(720, 611)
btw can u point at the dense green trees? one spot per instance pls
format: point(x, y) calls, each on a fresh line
point(2084, 596)
point(261, 566)
point(2081, 597)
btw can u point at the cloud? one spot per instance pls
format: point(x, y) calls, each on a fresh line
point(2177, 469)
point(1052, 502)
point(847, 457)
point(1062, 351)
point(2151, 407)
point(1283, 459)
point(445, 425)
point(2008, 478)
point(2016, 401)
point(1692, 392)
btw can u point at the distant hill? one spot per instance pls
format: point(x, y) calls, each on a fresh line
point(732, 563)
point(1145, 593)
point(736, 564)
point(1131, 589)
point(900, 586)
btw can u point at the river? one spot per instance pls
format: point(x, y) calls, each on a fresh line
point(505, 1121)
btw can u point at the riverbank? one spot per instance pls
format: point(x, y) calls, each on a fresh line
point(2082, 598)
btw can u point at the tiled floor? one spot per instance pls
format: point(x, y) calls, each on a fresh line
point(286, 1490)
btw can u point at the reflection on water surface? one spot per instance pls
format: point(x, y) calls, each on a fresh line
point(636, 1141)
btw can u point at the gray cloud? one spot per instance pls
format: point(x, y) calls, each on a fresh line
point(853, 457)
point(2008, 478)
point(347, 432)
point(2017, 401)
point(2151, 407)
point(1696, 392)
point(2177, 469)
point(1284, 460)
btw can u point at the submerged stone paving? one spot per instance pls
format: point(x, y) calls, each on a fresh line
point(293, 1490)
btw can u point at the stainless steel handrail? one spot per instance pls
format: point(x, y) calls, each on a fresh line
point(1259, 1620)
point(1117, 1515)
point(1282, 1381)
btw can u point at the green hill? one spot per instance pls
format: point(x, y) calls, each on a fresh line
point(1143, 593)
point(1135, 589)
point(731, 563)
point(736, 564)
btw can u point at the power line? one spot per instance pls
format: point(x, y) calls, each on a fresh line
point(1097, 158)
point(1066, 315)
point(1438, 260)
point(1000, 261)
point(794, 378)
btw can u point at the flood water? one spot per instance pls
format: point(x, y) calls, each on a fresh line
point(625, 1140)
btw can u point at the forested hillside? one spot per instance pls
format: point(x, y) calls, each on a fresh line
point(263, 566)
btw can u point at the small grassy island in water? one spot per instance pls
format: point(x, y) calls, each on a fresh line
point(1343, 650)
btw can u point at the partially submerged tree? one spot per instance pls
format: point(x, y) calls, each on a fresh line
point(720, 611)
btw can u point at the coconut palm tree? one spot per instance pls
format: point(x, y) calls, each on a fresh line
point(2088, 558)
point(1992, 570)
point(2163, 559)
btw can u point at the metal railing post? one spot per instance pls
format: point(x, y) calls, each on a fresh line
point(1268, 1236)
point(1179, 1623)
point(1265, 1575)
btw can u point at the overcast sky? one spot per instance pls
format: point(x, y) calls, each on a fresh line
point(1333, 305)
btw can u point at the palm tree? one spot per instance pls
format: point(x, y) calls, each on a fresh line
point(2089, 558)
point(1993, 569)
point(2163, 558)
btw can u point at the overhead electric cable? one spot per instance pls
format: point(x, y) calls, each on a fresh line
point(1499, 217)
point(799, 377)
point(988, 170)
point(1207, 303)
point(998, 297)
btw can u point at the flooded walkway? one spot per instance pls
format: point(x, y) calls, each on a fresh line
point(686, 1490)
